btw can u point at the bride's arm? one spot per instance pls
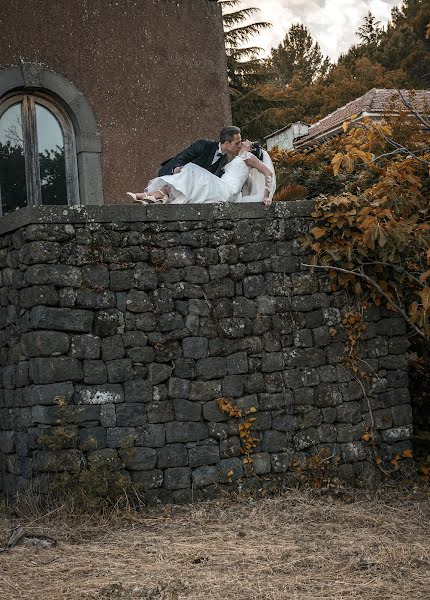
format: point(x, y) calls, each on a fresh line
point(254, 162)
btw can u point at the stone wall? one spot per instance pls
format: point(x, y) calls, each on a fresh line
point(121, 327)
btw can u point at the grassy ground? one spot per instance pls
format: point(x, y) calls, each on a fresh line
point(337, 545)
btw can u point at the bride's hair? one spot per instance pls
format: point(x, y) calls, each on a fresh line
point(256, 150)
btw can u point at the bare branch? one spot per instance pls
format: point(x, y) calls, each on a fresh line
point(369, 280)
point(412, 108)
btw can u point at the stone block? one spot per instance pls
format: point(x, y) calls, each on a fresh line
point(212, 413)
point(185, 432)
point(139, 459)
point(134, 339)
point(391, 327)
point(254, 286)
point(38, 295)
point(177, 478)
point(306, 439)
point(95, 372)
point(233, 327)
point(237, 363)
point(205, 390)
point(108, 322)
point(230, 447)
point(211, 368)
point(44, 343)
point(160, 412)
point(95, 300)
point(327, 433)
point(55, 369)
point(328, 394)
point(139, 302)
point(402, 415)
point(397, 433)
point(151, 435)
point(350, 412)
point(172, 455)
point(230, 470)
point(395, 397)
point(232, 385)
point(218, 431)
point(58, 275)
point(100, 394)
point(53, 461)
point(147, 480)
point(48, 394)
point(85, 346)
point(158, 373)
point(285, 423)
point(204, 455)
point(107, 415)
point(133, 415)
point(204, 476)
point(7, 442)
point(61, 319)
point(121, 280)
point(354, 452)
point(112, 347)
point(276, 441)
point(383, 418)
point(137, 390)
point(272, 361)
point(396, 361)
point(187, 411)
point(92, 438)
point(119, 370)
point(121, 437)
point(280, 461)
point(304, 396)
point(261, 463)
point(106, 458)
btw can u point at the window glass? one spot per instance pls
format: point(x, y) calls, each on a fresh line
point(51, 157)
point(13, 192)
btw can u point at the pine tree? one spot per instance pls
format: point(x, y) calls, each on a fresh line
point(370, 31)
point(245, 68)
point(298, 56)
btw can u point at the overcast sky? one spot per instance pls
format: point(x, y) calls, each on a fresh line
point(331, 22)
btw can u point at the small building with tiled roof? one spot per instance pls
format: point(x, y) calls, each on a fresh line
point(375, 103)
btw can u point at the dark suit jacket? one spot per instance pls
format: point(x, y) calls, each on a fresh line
point(200, 153)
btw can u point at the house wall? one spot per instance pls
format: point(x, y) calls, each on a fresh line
point(153, 71)
point(285, 139)
point(121, 328)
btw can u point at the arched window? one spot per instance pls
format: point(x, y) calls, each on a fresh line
point(38, 163)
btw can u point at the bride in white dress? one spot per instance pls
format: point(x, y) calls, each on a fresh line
point(195, 185)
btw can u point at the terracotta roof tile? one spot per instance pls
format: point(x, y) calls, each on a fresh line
point(374, 101)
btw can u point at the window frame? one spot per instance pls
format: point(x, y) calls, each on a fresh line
point(28, 100)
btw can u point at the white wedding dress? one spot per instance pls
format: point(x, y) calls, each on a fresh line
point(196, 185)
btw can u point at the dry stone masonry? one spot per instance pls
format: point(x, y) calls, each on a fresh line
point(121, 327)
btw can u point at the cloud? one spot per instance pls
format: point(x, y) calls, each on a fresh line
point(332, 23)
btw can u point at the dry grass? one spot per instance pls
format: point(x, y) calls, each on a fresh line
point(298, 546)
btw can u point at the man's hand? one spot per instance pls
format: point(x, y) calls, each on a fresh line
point(177, 170)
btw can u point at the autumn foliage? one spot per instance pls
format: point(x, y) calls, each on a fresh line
point(374, 237)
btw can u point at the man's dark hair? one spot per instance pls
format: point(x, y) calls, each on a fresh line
point(227, 134)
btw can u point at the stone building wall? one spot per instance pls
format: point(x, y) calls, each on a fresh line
point(121, 327)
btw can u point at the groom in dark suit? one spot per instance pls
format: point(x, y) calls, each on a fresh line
point(211, 155)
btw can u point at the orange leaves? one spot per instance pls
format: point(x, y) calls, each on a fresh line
point(336, 162)
point(318, 232)
point(425, 297)
point(248, 442)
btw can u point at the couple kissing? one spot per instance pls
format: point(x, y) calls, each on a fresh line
point(230, 170)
